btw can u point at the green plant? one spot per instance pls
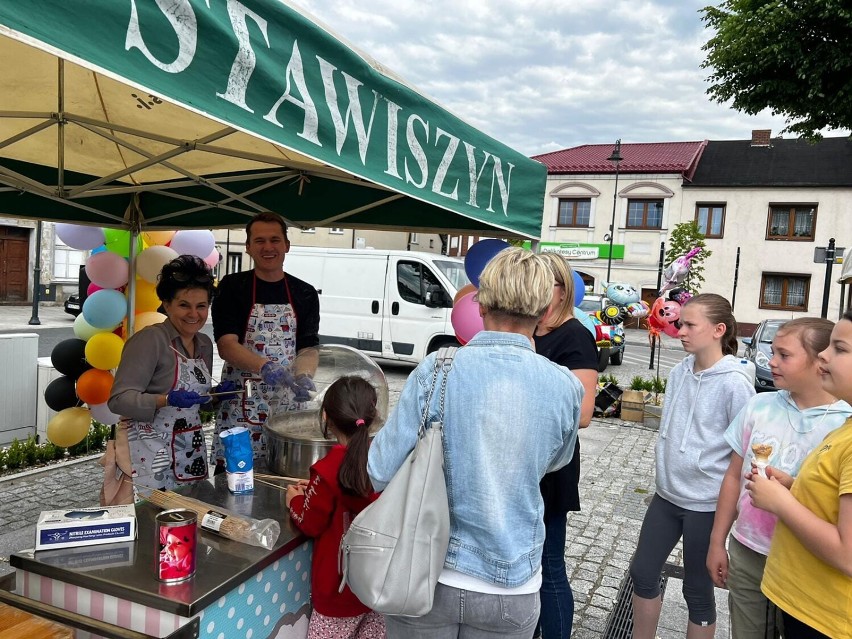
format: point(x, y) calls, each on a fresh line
point(658, 385)
point(15, 455)
point(30, 451)
point(608, 379)
point(683, 238)
point(206, 416)
point(637, 383)
point(48, 452)
point(2, 457)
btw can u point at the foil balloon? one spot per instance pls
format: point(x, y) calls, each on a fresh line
point(612, 315)
point(638, 309)
point(680, 295)
point(621, 293)
point(677, 271)
point(665, 316)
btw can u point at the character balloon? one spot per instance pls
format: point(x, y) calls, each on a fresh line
point(677, 271)
point(665, 316)
point(620, 293)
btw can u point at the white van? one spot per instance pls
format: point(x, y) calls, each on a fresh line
point(389, 304)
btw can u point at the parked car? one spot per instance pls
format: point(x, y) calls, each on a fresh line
point(593, 303)
point(758, 350)
point(74, 303)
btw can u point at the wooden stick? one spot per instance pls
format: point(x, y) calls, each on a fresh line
point(233, 392)
point(280, 477)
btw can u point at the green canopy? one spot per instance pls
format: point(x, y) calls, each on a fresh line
point(198, 114)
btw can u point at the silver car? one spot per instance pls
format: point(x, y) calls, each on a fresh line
point(759, 351)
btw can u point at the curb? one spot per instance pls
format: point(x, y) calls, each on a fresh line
point(46, 469)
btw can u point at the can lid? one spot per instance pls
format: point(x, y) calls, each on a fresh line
point(176, 515)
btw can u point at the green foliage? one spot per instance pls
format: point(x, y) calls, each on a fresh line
point(206, 416)
point(48, 452)
point(30, 451)
point(2, 457)
point(683, 238)
point(607, 379)
point(15, 455)
point(658, 385)
point(794, 58)
point(637, 383)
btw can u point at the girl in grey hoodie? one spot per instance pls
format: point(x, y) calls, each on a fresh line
point(703, 395)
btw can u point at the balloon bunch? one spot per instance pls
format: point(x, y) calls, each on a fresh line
point(87, 360)
point(465, 316)
point(665, 312)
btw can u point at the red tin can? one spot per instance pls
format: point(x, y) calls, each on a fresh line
point(177, 541)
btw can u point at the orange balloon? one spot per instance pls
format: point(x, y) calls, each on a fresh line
point(146, 296)
point(94, 386)
point(154, 238)
point(464, 290)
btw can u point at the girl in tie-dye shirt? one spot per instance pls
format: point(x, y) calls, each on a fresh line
point(792, 421)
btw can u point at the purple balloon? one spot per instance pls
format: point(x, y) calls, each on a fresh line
point(82, 238)
point(200, 243)
point(479, 255)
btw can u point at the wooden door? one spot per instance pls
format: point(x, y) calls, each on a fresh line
point(14, 259)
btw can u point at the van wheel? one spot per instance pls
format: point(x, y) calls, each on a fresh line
point(442, 341)
point(603, 359)
point(617, 357)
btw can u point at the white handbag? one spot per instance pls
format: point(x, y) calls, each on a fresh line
point(395, 548)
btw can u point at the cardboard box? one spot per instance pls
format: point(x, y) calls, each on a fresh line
point(85, 527)
point(633, 406)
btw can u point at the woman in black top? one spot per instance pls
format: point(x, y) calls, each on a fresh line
point(564, 340)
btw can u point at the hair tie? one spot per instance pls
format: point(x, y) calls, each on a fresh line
point(359, 422)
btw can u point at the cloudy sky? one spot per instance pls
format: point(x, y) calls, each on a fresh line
point(542, 75)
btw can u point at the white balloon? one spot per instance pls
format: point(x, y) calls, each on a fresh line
point(84, 330)
point(102, 413)
point(199, 242)
point(82, 238)
point(150, 262)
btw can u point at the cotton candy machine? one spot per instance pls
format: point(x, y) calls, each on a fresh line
point(294, 438)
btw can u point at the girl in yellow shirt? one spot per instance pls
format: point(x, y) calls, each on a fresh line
point(809, 568)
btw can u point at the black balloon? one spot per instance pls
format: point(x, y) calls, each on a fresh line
point(60, 394)
point(69, 358)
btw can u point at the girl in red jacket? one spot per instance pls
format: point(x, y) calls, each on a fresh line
point(323, 507)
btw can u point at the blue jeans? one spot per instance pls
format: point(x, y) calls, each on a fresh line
point(464, 614)
point(557, 600)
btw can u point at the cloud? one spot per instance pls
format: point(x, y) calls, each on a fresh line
point(540, 75)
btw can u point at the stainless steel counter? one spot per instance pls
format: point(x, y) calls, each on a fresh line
point(127, 570)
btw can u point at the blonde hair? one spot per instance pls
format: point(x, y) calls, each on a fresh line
point(718, 311)
point(564, 277)
point(814, 333)
point(516, 283)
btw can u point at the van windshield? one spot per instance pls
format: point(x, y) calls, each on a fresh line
point(453, 271)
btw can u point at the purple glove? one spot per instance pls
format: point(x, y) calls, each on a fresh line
point(186, 398)
point(302, 386)
point(274, 374)
point(228, 386)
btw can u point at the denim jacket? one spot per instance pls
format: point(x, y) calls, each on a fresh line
point(510, 416)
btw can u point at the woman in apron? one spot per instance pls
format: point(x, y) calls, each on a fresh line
point(164, 378)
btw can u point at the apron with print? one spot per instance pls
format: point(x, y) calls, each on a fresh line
point(170, 450)
point(270, 332)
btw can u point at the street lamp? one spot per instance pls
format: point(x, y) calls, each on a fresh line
point(615, 157)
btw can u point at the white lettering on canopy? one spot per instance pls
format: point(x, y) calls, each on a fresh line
point(180, 15)
point(182, 19)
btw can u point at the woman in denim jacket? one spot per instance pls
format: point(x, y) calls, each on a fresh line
point(502, 432)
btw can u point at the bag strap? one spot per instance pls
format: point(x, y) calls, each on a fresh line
point(443, 362)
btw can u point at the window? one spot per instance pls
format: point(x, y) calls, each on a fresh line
point(413, 280)
point(310, 230)
point(783, 292)
point(412, 238)
point(710, 219)
point(235, 262)
point(791, 222)
point(66, 261)
point(644, 214)
point(335, 231)
point(574, 212)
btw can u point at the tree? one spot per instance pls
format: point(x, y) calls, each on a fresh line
point(683, 238)
point(791, 56)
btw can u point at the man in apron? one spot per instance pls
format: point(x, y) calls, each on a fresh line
point(261, 319)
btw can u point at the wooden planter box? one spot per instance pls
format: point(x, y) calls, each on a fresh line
point(633, 406)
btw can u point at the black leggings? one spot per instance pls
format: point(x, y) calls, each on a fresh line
point(795, 629)
point(663, 526)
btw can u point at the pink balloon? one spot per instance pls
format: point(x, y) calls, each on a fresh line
point(213, 259)
point(107, 269)
point(465, 318)
point(92, 288)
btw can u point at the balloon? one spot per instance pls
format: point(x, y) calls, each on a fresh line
point(465, 318)
point(100, 249)
point(105, 309)
point(621, 294)
point(107, 270)
point(464, 290)
point(583, 317)
point(157, 238)
point(94, 386)
point(69, 427)
point(69, 357)
point(118, 242)
point(84, 330)
point(680, 295)
point(146, 297)
point(612, 314)
point(676, 272)
point(664, 313)
point(93, 288)
point(103, 351)
point(60, 394)
point(150, 262)
point(200, 243)
point(579, 288)
point(82, 238)
point(212, 260)
point(101, 413)
point(144, 320)
point(671, 330)
point(479, 255)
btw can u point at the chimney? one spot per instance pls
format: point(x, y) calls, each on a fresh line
point(760, 137)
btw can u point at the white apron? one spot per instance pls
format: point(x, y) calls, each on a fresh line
point(270, 332)
point(170, 451)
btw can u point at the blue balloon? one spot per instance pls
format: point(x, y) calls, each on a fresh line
point(105, 308)
point(579, 288)
point(479, 255)
point(585, 320)
point(100, 249)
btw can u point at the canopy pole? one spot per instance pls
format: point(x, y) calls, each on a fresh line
point(60, 142)
point(131, 280)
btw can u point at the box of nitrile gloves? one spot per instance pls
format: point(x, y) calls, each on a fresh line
point(85, 527)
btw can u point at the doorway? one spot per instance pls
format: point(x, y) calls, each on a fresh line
point(14, 259)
